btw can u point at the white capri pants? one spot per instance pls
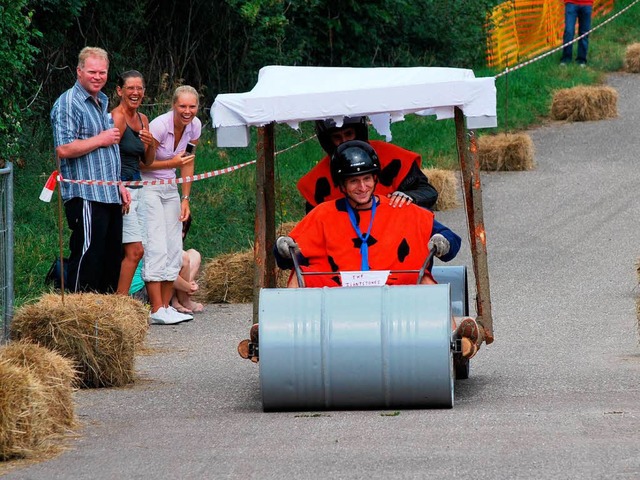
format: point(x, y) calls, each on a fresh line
point(163, 232)
point(132, 224)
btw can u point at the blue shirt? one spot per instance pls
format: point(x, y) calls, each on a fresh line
point(76, 116)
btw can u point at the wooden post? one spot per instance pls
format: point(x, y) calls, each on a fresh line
point(265, 228)
point(470, 167)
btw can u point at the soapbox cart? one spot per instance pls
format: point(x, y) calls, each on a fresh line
point(361, 347)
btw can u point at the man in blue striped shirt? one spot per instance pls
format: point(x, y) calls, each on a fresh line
point(86, 143)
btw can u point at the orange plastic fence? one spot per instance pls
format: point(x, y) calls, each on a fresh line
point(522, 29)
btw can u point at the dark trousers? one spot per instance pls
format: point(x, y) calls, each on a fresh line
point(95, 244)
point(583, 14)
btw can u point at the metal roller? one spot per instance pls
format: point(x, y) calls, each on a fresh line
point(359, 347)
point(456, 276)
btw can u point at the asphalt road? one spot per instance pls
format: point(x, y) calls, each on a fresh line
point(557, 396)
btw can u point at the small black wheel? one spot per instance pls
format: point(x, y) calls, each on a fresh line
point(461, 367)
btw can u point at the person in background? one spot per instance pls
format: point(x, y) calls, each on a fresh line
point(401, 178)
point(580, 10)
point(164, 208)
point(136, 147)
point(86, 144)
point(185, 285)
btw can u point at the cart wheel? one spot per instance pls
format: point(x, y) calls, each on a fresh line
point(461, 367)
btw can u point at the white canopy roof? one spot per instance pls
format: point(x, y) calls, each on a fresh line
point(294, 94)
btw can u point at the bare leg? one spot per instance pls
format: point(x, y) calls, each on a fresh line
point(154, 290)
point(186, 285)
point(181, 286)
point(195, 259)
point(167, 292)
point(159, 294)
point(133, 253)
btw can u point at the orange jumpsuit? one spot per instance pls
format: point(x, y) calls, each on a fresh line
point(398, 241)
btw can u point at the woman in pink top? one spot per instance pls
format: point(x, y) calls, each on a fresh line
point(164, 208)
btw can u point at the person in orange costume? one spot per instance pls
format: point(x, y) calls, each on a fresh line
point(401, 178)
point(331, 239)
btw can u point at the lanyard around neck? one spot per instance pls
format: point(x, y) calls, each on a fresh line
point(364, 246)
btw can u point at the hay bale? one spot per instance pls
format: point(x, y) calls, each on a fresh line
point(88, 329)
point(285, 228)
point(24, 427)
point(581, 104)
point(133, 315)
point(228, 278)
point(446, 184)
point(506, 152)
point(55, 372)
point(632, 58)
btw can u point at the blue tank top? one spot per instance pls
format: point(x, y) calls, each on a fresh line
point(131, 154)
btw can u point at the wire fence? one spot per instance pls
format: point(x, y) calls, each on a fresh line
point(6, 248)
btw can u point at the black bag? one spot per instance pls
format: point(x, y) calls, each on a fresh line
point(53, 275)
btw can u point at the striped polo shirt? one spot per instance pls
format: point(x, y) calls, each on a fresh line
point(76, 116)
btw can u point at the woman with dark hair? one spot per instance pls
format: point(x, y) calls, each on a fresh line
point(136, 147)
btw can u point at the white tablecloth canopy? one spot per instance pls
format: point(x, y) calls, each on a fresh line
point(295, 94)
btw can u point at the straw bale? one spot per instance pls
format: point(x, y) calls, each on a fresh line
point(506, 152)
point(632, 58)
point(55, 372)
point(228, 278)
point(24, 427)
point(133, 314)
point(89, 329)
point(446, 184)
point(285, 228)
point(585, 103)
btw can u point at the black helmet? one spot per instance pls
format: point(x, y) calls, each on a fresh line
point(352, 158)
point(324, 129)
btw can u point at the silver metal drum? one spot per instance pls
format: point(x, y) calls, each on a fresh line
point(358, 347)
point(456, 276)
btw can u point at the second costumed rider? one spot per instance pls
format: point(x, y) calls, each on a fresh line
point(400, 178)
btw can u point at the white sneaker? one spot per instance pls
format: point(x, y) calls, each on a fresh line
point(182, 317)
point(162, 317)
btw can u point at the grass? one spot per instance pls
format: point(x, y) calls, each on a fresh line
point(223, 207)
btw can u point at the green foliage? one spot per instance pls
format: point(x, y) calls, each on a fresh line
point(364, 33)
point(220, 45)
point(16, 58)
point(70, 25)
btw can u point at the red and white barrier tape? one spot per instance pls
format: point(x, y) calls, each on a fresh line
point(170, 181)
point(47, 191)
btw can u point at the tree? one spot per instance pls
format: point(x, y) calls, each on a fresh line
point(17, 55)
